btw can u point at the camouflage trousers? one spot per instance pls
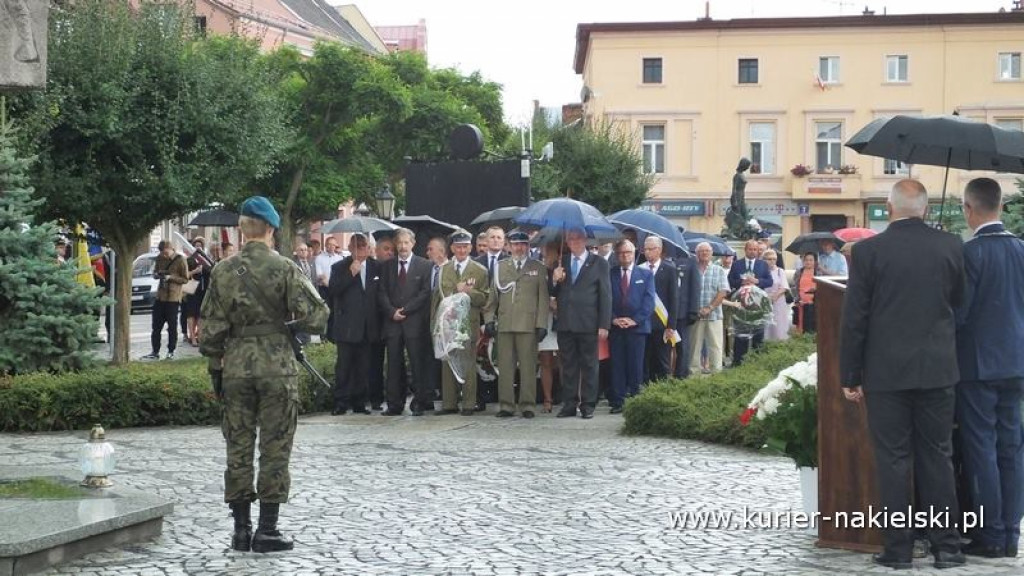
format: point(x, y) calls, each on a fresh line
point(272, 405)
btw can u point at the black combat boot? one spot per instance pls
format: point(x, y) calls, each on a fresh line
point(267, 538)
point(241, 540)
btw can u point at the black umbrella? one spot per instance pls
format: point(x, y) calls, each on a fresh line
point(425, 227)
point(498, 217)
point(949, 141)
point(217, 217)
point(809, 242)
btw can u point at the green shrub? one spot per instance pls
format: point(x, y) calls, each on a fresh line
point(139, 394)
point(708, 408)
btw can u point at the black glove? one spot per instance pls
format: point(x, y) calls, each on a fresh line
point(490, 329)
point(217, 379)
point(691, 318)
point(541, 333)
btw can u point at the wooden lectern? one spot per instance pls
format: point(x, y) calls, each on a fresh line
point(846, 461)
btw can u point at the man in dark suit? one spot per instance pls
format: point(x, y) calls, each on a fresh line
point(749, 271)
point(658, 350)
point(353, 288)
point(990, 329)
point(582, 289)
point(405, 303)
point(687, 308)
point(898, 354)
point(632, 307)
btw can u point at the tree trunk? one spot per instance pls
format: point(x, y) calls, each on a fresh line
point(125, 257)
point(287, 225)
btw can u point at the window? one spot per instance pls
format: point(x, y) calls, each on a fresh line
point(654, 149)
point(1009, 66)
point(748, 71)
point(828, 145)
point(652, 70)
point(200, 23)
point(1011, 124)
point(828, 69)
point(896, 168)
point(895, 68)
point(762, 147)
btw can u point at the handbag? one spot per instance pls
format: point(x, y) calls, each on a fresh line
point(789, 296)
point(190, 287)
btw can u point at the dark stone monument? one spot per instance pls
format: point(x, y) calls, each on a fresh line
point(737, 217)
point(23, 43)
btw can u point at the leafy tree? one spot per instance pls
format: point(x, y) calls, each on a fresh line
point(48, 319)
point(334, 100)
point(1013, 214)
point(593, 163)
point(141, 122)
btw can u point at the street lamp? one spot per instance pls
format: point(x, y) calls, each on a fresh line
point(385, 201)
point(362, 210)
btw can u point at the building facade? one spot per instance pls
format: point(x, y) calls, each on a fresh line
point(409, 38)
point(787, 92)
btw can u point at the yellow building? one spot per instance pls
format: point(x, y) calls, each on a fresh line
point(782, 92)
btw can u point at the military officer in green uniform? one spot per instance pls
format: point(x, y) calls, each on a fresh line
point(461, 274)
point(252, 364)
point(517, 311)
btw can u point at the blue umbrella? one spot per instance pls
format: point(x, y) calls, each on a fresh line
point(565, 214)
point(648, 223)
point(718, 245)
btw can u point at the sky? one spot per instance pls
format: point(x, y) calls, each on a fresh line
point(528, 45)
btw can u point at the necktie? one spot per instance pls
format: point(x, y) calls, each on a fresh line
point(575, 268)
point(651, 264)
point(490, 269)
point(750, 265)
point(624, 283)
point(433, 277)
point(519, 265)
point(458, 270)
point(401, 273)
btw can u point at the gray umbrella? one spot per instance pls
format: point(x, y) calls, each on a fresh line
point(949, 141)
point(361, 224)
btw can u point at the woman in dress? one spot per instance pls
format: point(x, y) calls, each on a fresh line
point(548, 347)
point(781, 315)
point(805, 318)
point(199, 266)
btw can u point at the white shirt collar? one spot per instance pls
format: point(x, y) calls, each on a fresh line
point(989, 223)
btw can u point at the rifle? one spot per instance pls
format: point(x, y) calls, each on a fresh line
point(300, 354)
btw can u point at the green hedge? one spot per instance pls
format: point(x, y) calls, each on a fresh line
point(139, 394)
point(708, 408)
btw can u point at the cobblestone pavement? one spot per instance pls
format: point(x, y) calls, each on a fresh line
point(467, 495)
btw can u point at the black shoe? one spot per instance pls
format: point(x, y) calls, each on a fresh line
point(417, 412)
point(945, 559)
point(267, 537)
point(616, 410)
point(467, 412)
point(527, 414)
point(446, 411)
point(978, 548)
point(480, 408)
point(1011, 551)
point(360, 410)
point(891, 561)
point(241, 539)
point(566, 414)
point(153, 356)
point(391, 413)
point(587, 414)
point(504, 414)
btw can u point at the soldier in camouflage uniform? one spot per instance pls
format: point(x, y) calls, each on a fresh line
point(254, 370)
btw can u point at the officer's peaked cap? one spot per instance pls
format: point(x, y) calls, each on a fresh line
point(462, 238)
point(518, 236)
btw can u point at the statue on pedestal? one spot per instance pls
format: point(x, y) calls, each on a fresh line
point(737, 217)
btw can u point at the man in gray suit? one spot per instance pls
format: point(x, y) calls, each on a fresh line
point(582, 288)
point(405, 303)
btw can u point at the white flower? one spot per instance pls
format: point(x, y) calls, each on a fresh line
point(803, 373)
point(770, 406)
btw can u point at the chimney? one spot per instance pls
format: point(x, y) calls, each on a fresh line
point(867, 12)
point(707, 12)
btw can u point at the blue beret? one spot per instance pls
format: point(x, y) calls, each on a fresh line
point(260, 207)
point(518, 236)
point(462, 238)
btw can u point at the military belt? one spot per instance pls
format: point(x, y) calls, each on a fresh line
point(255, 330)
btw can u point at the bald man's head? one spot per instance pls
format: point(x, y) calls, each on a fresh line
point(908, 199)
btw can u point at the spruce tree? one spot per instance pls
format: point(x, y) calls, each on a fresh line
point(47, 320)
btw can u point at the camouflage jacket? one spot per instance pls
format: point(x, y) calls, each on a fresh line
point(237, 328)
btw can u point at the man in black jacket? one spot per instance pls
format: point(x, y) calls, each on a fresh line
point(898, 354)
point(353, 288)
point(687, 305)
point(658, 350)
